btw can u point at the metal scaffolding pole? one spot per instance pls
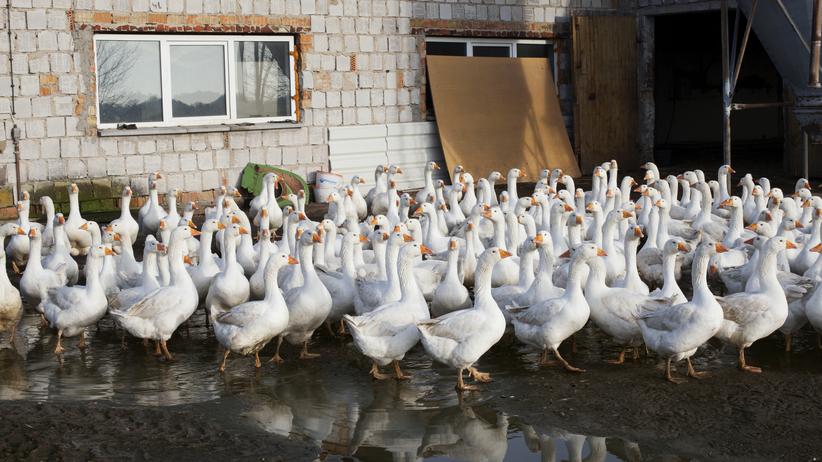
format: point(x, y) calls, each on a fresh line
point(726, 86)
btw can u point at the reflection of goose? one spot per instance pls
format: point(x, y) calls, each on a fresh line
point(387, 423)
point(461, 434)
point(274, 418)
point(13, 381)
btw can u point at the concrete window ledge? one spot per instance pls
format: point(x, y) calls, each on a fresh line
point(195, 129)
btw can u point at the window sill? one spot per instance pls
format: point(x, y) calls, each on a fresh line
point(106, 132)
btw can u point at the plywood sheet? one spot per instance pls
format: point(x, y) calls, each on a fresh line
point(606, 117)
point(499, 113)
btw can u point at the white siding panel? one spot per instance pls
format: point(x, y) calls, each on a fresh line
point(357, 150)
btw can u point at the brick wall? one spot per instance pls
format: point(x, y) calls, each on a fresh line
point(361, 63)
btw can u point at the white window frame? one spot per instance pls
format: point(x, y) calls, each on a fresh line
point(227, 41)
point(512, 43)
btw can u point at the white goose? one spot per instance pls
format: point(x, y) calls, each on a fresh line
point(341, 285)
point(228, 288)
point(61, 252)
point(450, 295)
point(546, 324)
point(11, 305)
point(387, 333)
point(247, 328)
point(38, 281)
point(125, 221)
point(460, 338)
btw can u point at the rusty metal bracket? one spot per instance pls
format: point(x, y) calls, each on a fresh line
point(296, 97)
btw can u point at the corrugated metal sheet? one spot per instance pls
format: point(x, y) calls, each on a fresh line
point(411, 146)
point(357, 150)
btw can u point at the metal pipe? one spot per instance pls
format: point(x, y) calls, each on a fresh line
point(745, 37)
point(793, 25)
point(804, 154)
point(726, 87)
point(816, 44)
point(15, 130)
point(742, 106)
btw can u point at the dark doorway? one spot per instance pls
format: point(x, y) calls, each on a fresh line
point(689, 102)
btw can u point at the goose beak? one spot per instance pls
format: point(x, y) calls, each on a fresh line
point(187, 260)
point(566, 254)
point(798, 224)
point(683, 247)
point(601, 253)
point(638, 232)
point(373, 221)
point(407, 238)
point(363, 238)
point(504, 253)
point(237, 193)
point(752, 227)
point(399, 171)
point(749, 241)
point(425, 250)
point(730, 170)
point(161, 247)
point(220, 226)
point(579, 220)
point(808, 185)
point(487, 214)
point(721, 248)
point(817, 248)
point(234, 220)
point(638, 190)
point(362, 181)
point(84, 226)
point(191, 225)
point(292, 260)
point(435, 166)
point(790, 245)
point(626, 214)
point(417, 213)
point(330, 198)
point(243, 230)
point(116, 237)
point(194, 231)
point(61, 219)
point(522, 174)
point(453, 245)
point(658, 203)
point(107, 251)
point(316, 238)
point(567, 208)
point(713, 269)
point(534, 201)
point(725, 203)
point(21, 231)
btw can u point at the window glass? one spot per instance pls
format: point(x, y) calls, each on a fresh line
point(197, 80)
point(263, 87)
point(498, 51)
point(534, 50)
point(128, 81)
point(446, 48)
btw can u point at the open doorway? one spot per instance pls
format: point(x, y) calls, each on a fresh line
point(688, 98)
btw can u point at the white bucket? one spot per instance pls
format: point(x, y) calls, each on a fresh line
point(325, 183)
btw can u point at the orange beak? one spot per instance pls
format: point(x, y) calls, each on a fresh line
point(243, 230)
point(425, 250)
point(61, 219)
point(751, 227)
point(116, 237)
point(407, 238)
point(363, 238)
point(187, 260)
point(538, 239)
point(638, 232)
point(21, 231)
point(191, 225)
point(161, 247)
point(721, 248)
point(713, 269)
point(749, 241)
point(234, 220)
point(108, 251)
point(453, 245)
point(817, 248)
point(435, 166)
point(567, 208)
point(220, 226)
point(601, 253)
point(373, 221)
point(790, 245)
point(730, 170)
point(84, 226)
point(726, 203)
point(682, 247)
point(504, 253)
point(566, 254)
point(292, 260)
point(315, 237)
point(194, 231)
point(522, 174)
point(487, 214)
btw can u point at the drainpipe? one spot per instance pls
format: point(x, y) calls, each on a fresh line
point(726, 86)
point(816, 43)
point(15, 130)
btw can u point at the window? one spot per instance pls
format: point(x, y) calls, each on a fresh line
point(172, 80)
point(500, 48)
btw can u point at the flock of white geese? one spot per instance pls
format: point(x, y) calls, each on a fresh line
point(394, 269)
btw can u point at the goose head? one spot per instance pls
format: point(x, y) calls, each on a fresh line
point(586, 252)
point(593, 207)
point(431, 166)
point(515, 174)
point(494, 214)
point(491, 256)
point(407, 201)
point(675, 246)
point(494, 176)
point(732, 202)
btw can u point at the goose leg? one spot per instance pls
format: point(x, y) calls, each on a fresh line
point(668, 375)
point(123, 342)
point(14, 267)
point(461, 386)
point(620, 359)
point(544, 361)
point(43, 321)
point(693, 373)
point(225, 358)
point(277, 359)
point(329, 329)
point(157, 351)
point(257, 362)
point(58, 350)
point(819, 341)
point(305, 354)
point(746, 367)
point(565, 364)
point(82, 344)
point(166, 353)
point(398, 374)
point(483, 377)
point(636, 353)
point(573, 343)
point(375, 372)
point(788, 343)
point(13, 334)
point(341, 328)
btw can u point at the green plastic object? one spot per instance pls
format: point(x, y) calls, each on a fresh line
point(252, 181)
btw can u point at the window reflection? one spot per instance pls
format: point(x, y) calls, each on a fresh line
point(197, 80)
point(263, 85)
point(128, 81)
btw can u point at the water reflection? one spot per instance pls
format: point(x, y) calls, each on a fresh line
point(330, 402)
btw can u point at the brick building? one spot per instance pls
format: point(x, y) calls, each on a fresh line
point(110, 90)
